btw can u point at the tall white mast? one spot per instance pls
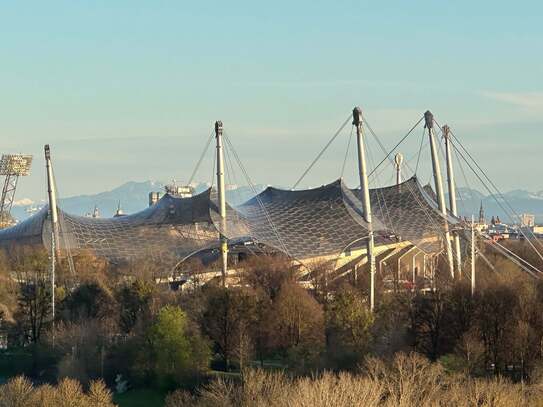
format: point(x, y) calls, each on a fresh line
point(222, 200)
point(363, 173)
point(53, 215)
point(429, 119)
point(452, 196)
point(398, 159)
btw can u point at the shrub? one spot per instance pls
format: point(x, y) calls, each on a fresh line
point(19, 392)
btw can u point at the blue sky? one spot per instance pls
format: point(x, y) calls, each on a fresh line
point(129, 90)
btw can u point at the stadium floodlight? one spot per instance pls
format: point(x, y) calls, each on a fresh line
point(15, 164)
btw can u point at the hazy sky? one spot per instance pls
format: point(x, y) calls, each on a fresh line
point(129, 90)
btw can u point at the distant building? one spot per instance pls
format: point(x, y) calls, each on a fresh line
point(154, 197)
point(181, 191)
point(178, 191)
point(498, 230)
point(527, 219)
point(481, 222)
point(530, 231)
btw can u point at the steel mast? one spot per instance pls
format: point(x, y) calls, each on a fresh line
point(222, 200)
point(364, 186)
point(53, 213)
point(429, 124)
point(452, 196)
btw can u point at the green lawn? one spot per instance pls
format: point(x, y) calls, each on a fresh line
point(140, 398)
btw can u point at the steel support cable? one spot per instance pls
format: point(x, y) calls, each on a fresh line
point(382, 146)
point(200, 159)
point(387, 154)
point(494, 195)
point(496, 190)
point(463, 176)
point(516, 256)
point(347, 152)
point(266, 214)
point(391, 177)
point(374, 173)
point(377, 139)
point(500, 249)
point(62, 231)
point(379, 192)
point(482, 181)
point(322, 151)
point(385, 151)
point(438, 227)
point(420, 150)
point(387, 211)
point(428, 212)
point(213, 170)
point(370, 159)
point(397, 145)
point(231, 173)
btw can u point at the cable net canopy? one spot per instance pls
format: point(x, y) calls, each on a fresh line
point(302, 224)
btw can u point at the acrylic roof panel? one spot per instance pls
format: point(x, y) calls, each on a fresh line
point(302, 224)
point(305, 223)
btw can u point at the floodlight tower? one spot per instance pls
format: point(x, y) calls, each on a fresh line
point(12, 166)
point(222, 200)
point(363, 174)
point(429, 124)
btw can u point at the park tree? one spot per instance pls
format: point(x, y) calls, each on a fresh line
point(349, 326)
point(8, 290)
point(431, 319)
point(229, 321)
point(34, 299)
point(90, 300)
point(297, 323)
point(83, 348)
point(496, 323)
point(267, 273)
point(175, 350)
point(134, 300)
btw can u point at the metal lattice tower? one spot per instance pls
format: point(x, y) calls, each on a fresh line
point(12, 166)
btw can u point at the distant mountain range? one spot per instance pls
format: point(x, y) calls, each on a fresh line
point(469, 202)
point(131, 196)
point(134, 196)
